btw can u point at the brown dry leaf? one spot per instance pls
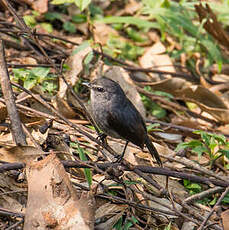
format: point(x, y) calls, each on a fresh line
point(63, 107)
point(28, 61)
point(20, 154)
point(172, 85)
point(6, 140)
point(207, 101)
point(3, 112)
point(102, 33)
point(225, 219)
point(111, 213)
point(132, 6)
point(154, 58)
point(58, 206)
point(204, 98)
point(223, 129)
point(37, 136)
point(75, 63)
point(39, 5)
point(10, 201)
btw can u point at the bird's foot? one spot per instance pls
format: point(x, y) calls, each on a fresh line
point(102, 137)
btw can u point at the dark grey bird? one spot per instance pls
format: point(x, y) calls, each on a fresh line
point(116, 116)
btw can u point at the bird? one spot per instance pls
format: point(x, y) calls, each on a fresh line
point(116, 116)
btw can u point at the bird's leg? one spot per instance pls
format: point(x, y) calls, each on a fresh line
point(119, 158)
point(102, 137)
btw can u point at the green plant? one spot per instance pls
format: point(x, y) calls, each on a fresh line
point(122, 49)
point(125, 224)
point(30, 20)
point(180, 20)
point(214, 145)
point(36, 76)
point(168, 227)
point(152, 107)
point(83, 157)
point(195, 188)
point(82, 4)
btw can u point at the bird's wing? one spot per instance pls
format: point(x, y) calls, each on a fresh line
point(128, 123)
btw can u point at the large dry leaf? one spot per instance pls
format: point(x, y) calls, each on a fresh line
point(204, 98)
point(39, 5)
point(102, 33)
point(154, 58)
point(111, 213)
point(52, 201)
point(13, 201)
point(20, 154)
point(225, 219)
point(75, 63)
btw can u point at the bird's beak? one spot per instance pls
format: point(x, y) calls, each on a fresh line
point(87, 84)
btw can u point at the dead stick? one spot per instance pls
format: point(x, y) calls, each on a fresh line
point(214, 208)
point(17, 131)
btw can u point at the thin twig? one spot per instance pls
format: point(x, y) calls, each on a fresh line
point(214, 208)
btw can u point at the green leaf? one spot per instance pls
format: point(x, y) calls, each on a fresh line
point(81, 47)
point(69, 27)
point(30, 83)
point(127, 225)
point(190, 144)
point(58, 2)
point(207, 137)
point(213, 201)
point(213, 50)
point(51, 16)
point(82, 4)
point(47, 26)
point(153, 127)
point(158, 111)
point(194, 186)
point(226, 199)
point(87, 61)
point(118, 224)
point(200, 150)
point(79, 18)
point(88, 58)
point(30, 20)
point(20, 74)
point(87, 172)
point(134, 35)
point(225, 152)
point(40, 72)
point(164, 94)
point(168, 227)
point(140, 23)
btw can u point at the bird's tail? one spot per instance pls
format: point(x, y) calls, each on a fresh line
point(153, 150)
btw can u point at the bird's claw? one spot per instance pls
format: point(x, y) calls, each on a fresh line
point(102, 137)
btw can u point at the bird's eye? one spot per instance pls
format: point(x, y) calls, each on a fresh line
point(100, 89)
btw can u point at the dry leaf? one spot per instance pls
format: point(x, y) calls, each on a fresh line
point(225, 219)
point(58, 206)
point(20, 154)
